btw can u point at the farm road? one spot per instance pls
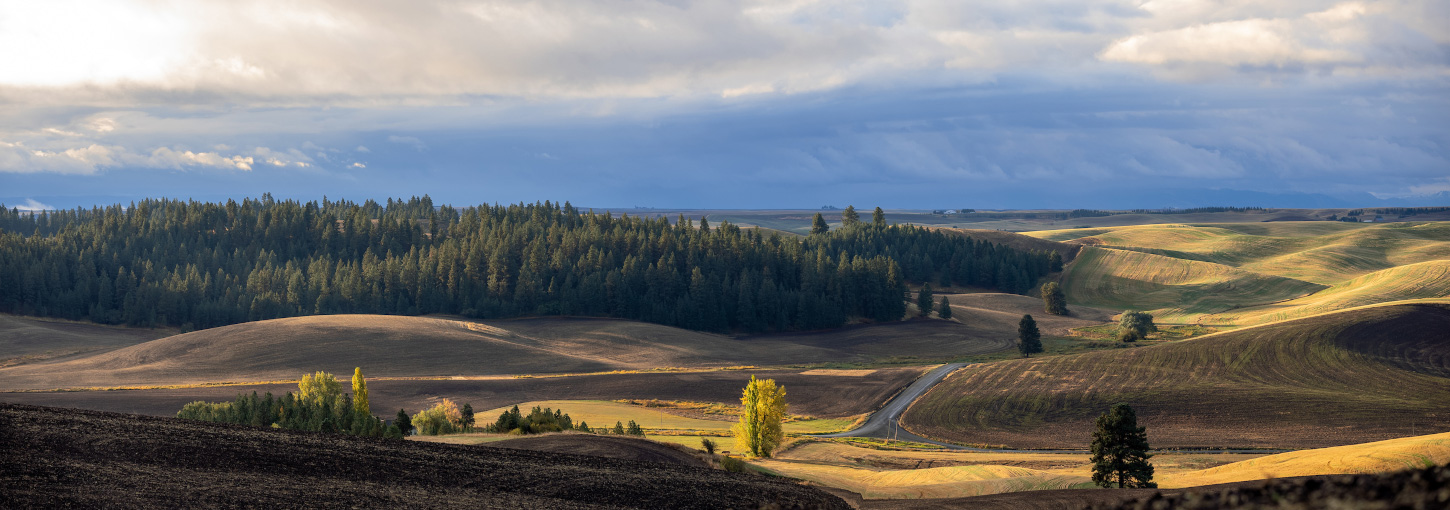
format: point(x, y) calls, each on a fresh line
point(886, 422)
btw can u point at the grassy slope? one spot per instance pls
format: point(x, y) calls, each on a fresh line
point(1348, 377)
point(600, 414)
point(1174, 289)
point(941, 482)
point(1377, 457)
point(1255, 273)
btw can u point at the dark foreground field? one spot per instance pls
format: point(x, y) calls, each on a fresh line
point(64, 457)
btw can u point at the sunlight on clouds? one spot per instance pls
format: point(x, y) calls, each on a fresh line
point(66, 42)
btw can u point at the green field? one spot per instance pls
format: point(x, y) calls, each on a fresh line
point(1349, 377)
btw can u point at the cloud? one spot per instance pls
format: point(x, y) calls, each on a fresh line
point(16, 157)
point(358, 164)
point(31, 205)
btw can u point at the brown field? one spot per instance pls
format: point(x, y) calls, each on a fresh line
point(33, 339)
point(1348, 377)
point(85, 459)
point(614, 447)
point(827, 396)
point(396, 346)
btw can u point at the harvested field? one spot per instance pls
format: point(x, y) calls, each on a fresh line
point(827, 396)
point(838, 453)
point(60, 457)
point(605, 414)
point(32, 339)
point(614, 447)
point(1377, 457)
point(396, 346)
point(1355, 376)
point(940, 482)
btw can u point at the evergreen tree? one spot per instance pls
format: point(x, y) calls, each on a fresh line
point(404, 423)
point(878, 218)
point(634, 429)
point(708, 445)
point(1053, 300)
point(762, 409)
point(1120, 450)
point(945, 309)
point(924, 300)
point(360, 393)
point(618, 428)
point(1054, 262)
point(818, 225)
point(467, 417)
point(583, 427)
point(849, 217)
point(1029, 339)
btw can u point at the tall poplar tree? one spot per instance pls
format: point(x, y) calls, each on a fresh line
point(762, 409)
point(360, 393)
point(1120, 451)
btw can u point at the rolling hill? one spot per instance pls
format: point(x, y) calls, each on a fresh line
point(1353, 376)
point(1244, 274)
point(399, 346)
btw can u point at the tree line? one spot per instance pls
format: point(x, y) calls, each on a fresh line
point(197, 265)
point(319, 405)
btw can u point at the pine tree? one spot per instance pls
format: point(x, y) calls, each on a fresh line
point(1053, 301)
point(1054, 262)
point(762, 409)
point(818, 225)
point(404, 423)
point(1120, 451)
point(1029, 339)
point(849, 218)
point(878, 218)
point(924, 301)
point(618, 428)
point(945, 309)
point(583, 427)
point(467, 417)
point(634, 429)
point(360, 393)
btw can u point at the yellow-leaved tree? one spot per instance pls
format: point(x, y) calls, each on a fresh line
point(360, 393)
point(319, 388)
point(762, 409)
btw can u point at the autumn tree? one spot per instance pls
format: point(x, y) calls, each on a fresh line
point(762, 410)
point(944, 310)
point(1053, 300)
point(923, 300)
point(1029, 339)
point(818, 225)
point(1120, 451)
point(318, 388)
point(360, 393)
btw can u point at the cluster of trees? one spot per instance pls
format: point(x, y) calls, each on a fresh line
point(318, 406)
point(539, 420)
point(445, 417)
point(1409, 211)
point(762, 410)
point(1134, 326)
point(198, 265)
point(1193, 210)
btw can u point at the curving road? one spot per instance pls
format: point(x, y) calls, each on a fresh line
point(885, 423)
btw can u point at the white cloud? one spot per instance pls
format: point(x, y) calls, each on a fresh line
point(358, 165)
point(16, 157)
point(32, 205)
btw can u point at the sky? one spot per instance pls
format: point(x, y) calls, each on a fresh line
point(919, 104)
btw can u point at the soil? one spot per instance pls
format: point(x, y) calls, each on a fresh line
point(613, 447)
point(74, 458)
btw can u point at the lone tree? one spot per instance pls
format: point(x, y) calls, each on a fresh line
point(878, 217)
point(818, 225)
point(360, 393)
point(1052, 299)
point(1120, 451)
point(849, 217)
point(1134, 326)
point(1029, 339)
point(944, 310)
point(923, 300)
point(762, 409)
point(467, 417)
